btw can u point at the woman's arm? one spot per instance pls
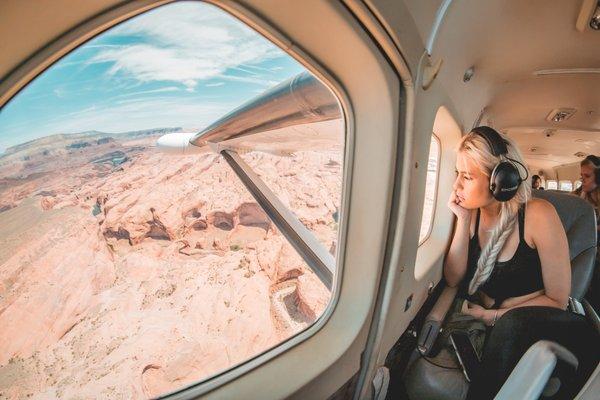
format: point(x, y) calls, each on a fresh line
point(455, 263)
point(550, 239)
point(490, 316)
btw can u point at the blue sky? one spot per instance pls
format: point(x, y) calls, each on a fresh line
point(183, 64)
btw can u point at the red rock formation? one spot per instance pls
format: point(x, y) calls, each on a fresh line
point(130, 282)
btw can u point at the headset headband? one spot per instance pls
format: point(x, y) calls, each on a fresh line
point(493, 139)
point(498, 146)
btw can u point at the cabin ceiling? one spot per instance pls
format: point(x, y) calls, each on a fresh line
point(546, 148)
point(506, 41)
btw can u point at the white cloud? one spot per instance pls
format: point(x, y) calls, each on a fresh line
point(151, 91)
point(135, 114)
point(245, 70)
point(59, 92)
point(216, 84)
point(186, 43)
point(256, 67)
point(249, 79)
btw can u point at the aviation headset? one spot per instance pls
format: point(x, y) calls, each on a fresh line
point(596, 163)
point(505, 178)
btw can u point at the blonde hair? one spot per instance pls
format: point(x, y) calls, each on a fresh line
point(476, 148)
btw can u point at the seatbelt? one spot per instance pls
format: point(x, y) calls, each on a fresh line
point(576, 306)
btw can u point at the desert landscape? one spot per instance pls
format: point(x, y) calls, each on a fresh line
point(127, 273)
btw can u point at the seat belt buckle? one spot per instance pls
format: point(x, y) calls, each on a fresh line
point(576, 306)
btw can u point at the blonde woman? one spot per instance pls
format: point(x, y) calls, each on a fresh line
point(509, 254)
point(522, 232)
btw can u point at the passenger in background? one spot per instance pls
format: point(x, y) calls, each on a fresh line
point(536, 182)
point(590, 183)
point(590, 191)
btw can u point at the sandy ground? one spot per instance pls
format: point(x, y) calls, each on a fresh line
point(132, 280)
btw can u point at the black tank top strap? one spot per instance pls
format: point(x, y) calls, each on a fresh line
point(521, 223)
point(476, 233)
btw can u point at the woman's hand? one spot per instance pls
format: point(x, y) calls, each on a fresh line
point(456, 208)
point(477, 311)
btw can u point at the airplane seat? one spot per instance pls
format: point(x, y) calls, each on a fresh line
point(425, 380)
point(578, 219)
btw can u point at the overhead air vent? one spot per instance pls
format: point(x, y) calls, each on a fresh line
point(549, 132)
point(560, 114)
point(535, 150)
point(579, 154)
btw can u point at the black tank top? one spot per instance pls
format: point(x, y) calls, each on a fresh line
point(520, 275)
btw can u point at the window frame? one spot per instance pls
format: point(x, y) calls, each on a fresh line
point(47, 56)
point(551, 182)
point(436, 187)
point(58, 49)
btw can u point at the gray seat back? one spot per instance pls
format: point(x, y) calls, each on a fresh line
point(579, 220)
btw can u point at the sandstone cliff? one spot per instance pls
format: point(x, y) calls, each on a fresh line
point(131, 279)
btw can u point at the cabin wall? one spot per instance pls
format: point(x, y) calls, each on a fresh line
point(548, 173)
point(536, 169)
point(545, 173)
point(568, 172)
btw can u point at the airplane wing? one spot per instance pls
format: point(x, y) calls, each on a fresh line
point(279, 121)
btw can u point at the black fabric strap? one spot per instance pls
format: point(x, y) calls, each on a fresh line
point(476, 233)
point(521, 224)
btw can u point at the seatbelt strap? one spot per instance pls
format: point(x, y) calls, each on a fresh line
point(575, 306)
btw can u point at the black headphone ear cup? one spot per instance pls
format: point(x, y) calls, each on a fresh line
point(597, 175)
point(505, 181)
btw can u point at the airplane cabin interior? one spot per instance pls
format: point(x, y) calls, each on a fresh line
point(405, 81)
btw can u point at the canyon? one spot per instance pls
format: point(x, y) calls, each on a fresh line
point(127, 273)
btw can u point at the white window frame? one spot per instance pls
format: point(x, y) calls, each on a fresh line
point(435, 188)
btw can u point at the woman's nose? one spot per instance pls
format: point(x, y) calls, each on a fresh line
point(456, 184)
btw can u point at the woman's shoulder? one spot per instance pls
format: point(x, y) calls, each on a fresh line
point(537, 206)
point(540, 211)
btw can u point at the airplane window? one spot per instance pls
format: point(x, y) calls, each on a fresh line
point(552, 184)
point(126, 272)
point(566, 186)
point(430, 189)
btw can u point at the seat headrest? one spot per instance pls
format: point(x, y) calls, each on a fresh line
point(577, 216)
point(579, 220)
